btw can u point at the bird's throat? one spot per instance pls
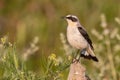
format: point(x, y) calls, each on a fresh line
point(72, 24)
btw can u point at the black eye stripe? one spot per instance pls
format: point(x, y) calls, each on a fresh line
point(72, 18)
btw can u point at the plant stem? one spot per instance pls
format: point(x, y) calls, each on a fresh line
point(110, 58)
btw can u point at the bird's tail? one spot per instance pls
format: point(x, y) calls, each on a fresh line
point(89, 54)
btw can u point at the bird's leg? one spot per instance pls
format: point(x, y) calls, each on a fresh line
point(82, 52)
point(77, 53)
point(75, 57)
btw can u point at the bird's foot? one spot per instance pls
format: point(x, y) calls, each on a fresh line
point(75, 60)
point(75, 57)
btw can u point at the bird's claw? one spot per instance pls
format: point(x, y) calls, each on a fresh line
point(75, 61)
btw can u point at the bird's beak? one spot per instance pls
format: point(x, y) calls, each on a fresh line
point(63, 17)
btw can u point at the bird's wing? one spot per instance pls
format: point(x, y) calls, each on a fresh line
point(86, 36)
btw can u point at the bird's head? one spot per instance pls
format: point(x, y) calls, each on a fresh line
point(72, 20)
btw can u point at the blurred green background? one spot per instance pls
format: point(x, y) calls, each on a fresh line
point(22, 20)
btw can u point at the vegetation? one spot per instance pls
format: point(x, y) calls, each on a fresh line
point(33, 43)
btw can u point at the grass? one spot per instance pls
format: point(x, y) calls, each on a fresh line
point(14, 68)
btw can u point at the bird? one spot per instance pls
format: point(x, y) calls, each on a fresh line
point(79, 39)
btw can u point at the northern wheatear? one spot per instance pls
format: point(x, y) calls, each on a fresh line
point(78, 38)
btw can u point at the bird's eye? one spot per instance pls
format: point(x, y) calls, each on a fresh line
point(72, 19)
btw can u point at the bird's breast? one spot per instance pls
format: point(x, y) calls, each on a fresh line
point(75, 38)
